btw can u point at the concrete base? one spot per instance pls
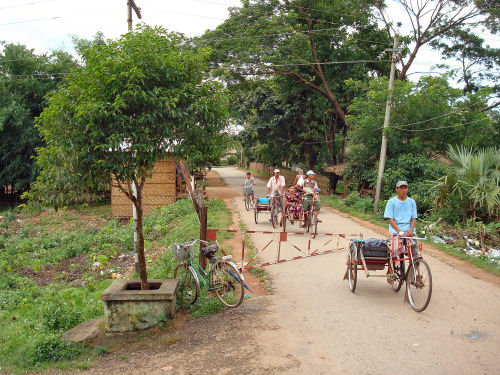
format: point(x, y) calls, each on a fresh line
point(127, 308)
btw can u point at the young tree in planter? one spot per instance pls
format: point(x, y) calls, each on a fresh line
point(134, 99)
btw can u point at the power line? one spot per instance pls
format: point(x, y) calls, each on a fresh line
point(27, 4)
point(57, 17)
point(317, 31)
point(440, 127)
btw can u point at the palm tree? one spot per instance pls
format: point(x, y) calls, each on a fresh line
point(473, 179)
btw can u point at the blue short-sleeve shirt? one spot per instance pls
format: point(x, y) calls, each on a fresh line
point(402, 212)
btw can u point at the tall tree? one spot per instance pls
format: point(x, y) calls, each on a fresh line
point(428, 20)
point(477, 61)
point(25, 79)
point(134, 99)
point(314, 45)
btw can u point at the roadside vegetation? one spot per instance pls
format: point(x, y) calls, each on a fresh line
point(54, 266)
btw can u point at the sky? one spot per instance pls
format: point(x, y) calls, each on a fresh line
point(46, 25)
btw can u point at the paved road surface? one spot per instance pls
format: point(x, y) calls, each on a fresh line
point(320, 327)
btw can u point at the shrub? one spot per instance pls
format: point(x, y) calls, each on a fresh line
point(364, 204)
point(351, 199)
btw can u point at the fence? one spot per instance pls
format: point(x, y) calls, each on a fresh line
point(289, 175)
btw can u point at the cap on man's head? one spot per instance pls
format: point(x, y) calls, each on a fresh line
point(310, 172)
point(401, 183)
point(276, 170)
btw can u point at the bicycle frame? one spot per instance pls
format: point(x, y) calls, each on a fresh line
point(402, 247)
point(202, 276)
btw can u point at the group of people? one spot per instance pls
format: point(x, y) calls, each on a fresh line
point(298, 197)
point(400, 211)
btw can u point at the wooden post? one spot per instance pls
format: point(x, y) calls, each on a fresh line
point(203, 234)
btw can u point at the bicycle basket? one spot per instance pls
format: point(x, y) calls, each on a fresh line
point(247, 190)
point(181, 250)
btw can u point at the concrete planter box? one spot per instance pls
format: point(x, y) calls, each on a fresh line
point(127, 308)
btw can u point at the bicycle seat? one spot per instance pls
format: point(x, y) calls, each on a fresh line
point(209, 251)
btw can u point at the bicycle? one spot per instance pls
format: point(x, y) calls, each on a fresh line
point(223, 277)
point(276, 204)
point(311, 217)
point(248, 192)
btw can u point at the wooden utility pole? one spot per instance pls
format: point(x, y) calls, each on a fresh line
point(131, 5)
point(383, 147)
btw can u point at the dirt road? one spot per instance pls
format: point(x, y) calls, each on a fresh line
point(313, 324)
point(326, 329)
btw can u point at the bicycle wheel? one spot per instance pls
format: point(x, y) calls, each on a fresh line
point(399, 273)
point(315, 221)
point(229, 284)
point(247, 202)
point(352, 269)
point(309, 219)
point(188, 289)
point(256, 215)
point(283, 220)
point(419, 285)
point(274, 216)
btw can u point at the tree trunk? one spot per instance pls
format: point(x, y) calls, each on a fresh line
point(334, 179)
point(141, 259)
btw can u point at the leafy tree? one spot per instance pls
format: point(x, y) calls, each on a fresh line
point(307, 47)
point(477, 61)
point(429, 20)
point(25, 79)
point(426, 117)
point(134, 99)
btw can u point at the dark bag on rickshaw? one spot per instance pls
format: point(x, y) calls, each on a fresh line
point(376, 248)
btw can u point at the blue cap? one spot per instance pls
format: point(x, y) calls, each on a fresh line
point(309, 172)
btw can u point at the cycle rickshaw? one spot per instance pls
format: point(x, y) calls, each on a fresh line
point(403, 261)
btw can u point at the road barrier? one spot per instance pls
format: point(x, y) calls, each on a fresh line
point(316, 245)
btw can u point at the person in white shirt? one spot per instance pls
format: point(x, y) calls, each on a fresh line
point(276, 184)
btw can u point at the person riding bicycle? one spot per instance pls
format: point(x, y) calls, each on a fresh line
point(401, 212)
point(310, 190)
point(276, 184)
point(248, 185)
point(293, 208)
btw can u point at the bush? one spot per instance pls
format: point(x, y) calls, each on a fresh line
point(49, 347)
point(351, 199)
point(364, 204)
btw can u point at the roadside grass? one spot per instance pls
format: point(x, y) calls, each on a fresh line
point(377, 219)
point(34, 316)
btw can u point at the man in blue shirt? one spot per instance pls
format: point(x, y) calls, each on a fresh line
point(401, 211)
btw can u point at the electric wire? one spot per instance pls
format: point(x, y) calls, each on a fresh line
point(28, 4)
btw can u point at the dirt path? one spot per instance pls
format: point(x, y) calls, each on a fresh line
point(313, 324)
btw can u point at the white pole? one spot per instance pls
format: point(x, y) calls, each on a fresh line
point(134, 215)
point(383, 147)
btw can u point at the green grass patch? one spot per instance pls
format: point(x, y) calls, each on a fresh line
point(34, 317)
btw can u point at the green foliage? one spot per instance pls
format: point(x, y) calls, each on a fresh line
point(33, 318)
point(135, 98)
point(473, 180)
point(25, 79)
point(288, 116)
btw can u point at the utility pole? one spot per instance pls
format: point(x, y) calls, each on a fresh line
point(383, 147)
point(131, 5)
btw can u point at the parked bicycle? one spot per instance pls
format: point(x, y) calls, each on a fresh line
point(222, 277)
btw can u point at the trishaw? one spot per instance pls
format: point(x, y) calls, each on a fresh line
point(403, 262)
point(309, 218)
point(270, 205)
